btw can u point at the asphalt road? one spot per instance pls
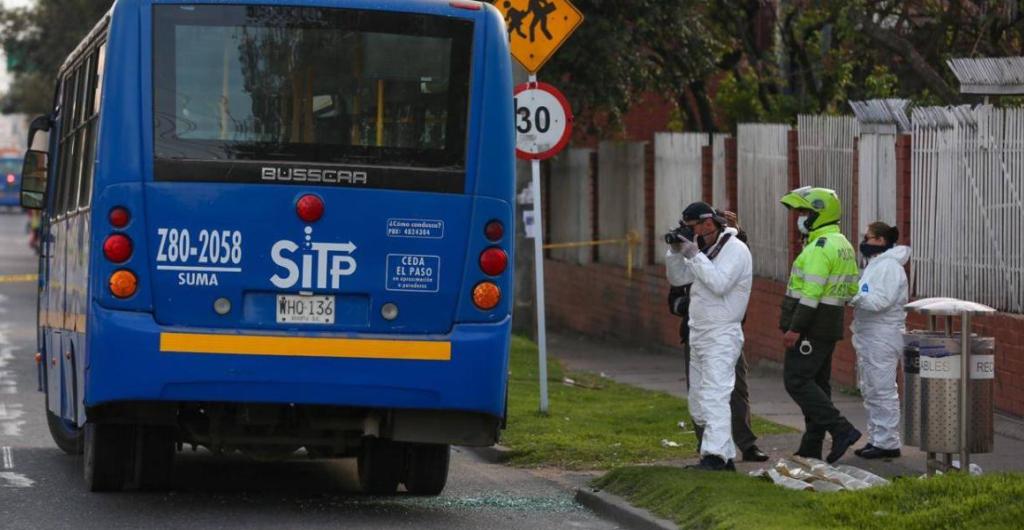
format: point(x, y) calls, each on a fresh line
point(41, 487)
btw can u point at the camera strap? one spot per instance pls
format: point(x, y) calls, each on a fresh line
point(722, 240)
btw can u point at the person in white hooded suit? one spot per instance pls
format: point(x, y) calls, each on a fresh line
point(878, 327)
point(722, 277)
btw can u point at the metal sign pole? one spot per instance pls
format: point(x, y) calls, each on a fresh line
point(538, 260)
point(965, 389)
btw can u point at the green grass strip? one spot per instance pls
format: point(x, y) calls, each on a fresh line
point(695, 499)
point(595, 423)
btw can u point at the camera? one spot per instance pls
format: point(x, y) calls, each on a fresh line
point(677, 235)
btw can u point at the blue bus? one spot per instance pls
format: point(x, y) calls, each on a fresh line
point(10, 181)
point(278, 228)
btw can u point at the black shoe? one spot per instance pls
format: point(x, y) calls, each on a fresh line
point(713, 463)
point(871, 452)
point(754, 454)
point(842, 442)
point(858, 452)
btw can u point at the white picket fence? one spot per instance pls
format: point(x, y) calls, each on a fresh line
point(826, 159)
point(762, 179)
point(967, 216)
point(677, 178)
point(718, 191)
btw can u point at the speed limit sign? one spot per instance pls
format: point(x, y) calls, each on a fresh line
point(543, 121)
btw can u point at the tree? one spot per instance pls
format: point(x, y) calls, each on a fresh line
point(40, 38)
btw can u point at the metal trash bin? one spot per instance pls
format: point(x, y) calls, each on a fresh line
point(940, 394)
point(910, 409)
point(957, 413)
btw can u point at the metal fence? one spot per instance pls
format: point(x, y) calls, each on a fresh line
point(826, 159)
point(967, 215)
point(762, 178)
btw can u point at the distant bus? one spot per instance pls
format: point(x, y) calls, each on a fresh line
point(274, 228)
point(10, 181)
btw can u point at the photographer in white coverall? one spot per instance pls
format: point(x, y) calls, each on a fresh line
point(878, 327)
point(722, 275)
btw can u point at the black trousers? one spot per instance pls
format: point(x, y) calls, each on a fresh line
point(807, 379)
point(742, 435)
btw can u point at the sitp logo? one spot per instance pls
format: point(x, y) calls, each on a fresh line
point(331, 259)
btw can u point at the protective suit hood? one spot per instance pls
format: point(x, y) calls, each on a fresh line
point(900, 253)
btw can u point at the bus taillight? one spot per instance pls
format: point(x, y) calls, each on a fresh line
point(493, 261)
point(123, 283)
point(486, 295)
point(310, 208)
point(10, 178)
point(119, 217)
point(494, 231)
point(117, 248)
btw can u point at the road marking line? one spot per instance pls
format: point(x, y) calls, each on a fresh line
point(18, 278)
point(8, 457)
point(15, 480)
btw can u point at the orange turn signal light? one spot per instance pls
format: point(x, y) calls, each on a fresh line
point(123, 283)
point(486, 295)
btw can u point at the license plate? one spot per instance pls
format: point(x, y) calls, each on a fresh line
point(302, 309)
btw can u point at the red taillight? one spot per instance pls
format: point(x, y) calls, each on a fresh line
point(119, 217)
point(10, 178)
point(117, 248)
point(466, 4)
point(493, 261)
point(310, 208)
point(494, 231)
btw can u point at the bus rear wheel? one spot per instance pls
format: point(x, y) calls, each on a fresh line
point(66, 435)
point(426, 469)
point(107, 453)
point(380, 466)
point(153, 458)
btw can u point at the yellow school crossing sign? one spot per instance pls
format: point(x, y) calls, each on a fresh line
point(536, 28)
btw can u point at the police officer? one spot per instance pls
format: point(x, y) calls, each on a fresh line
point(823, 279)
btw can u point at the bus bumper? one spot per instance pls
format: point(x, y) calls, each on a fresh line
point(130, 359)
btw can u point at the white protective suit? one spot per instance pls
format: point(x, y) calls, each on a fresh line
point(878, 327)
point(718, 302)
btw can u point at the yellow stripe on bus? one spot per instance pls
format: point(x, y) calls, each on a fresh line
point(18, 278)
point(415, 350)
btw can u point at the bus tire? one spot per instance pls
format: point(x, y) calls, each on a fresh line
point(426, 471)
point(380, 466)
point(67, 437)
point(154, 458)
point(107, 454)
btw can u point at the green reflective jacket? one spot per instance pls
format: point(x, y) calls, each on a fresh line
point(823, 279)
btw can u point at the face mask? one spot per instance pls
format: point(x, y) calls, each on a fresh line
point(869, 251)
point(801, 224)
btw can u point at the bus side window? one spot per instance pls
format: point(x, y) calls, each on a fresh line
point(91, 129)
point(81, 108)
point(64, 147)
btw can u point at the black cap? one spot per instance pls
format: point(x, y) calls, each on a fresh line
point(699, 211)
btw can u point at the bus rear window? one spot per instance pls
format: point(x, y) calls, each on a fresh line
point(293, 84)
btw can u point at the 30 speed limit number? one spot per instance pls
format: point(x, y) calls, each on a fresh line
point(543, 121)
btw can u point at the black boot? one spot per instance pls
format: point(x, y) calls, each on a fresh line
point(713, 463)
point(871, 452)
point(841, 442)
point(754, 454)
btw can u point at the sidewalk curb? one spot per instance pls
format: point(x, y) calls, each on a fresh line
point(618, 510)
